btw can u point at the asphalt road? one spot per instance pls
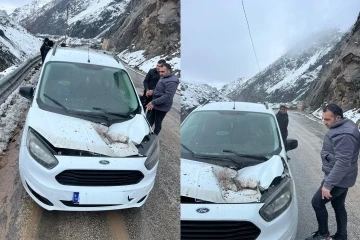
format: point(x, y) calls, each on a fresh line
point(305, 164)
point(158, 218)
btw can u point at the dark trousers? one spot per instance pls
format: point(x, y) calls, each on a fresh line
point(156, 116)
point(337, 200)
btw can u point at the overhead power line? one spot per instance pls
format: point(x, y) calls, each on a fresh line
point(252, 42)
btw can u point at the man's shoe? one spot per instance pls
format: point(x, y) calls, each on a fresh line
point(316, 236)
point(337, 237)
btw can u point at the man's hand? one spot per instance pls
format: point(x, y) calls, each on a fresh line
point(149, 93)
point(149, 106)
point(325, 193)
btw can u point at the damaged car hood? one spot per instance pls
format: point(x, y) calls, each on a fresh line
point(213, 183)
point(63, 131)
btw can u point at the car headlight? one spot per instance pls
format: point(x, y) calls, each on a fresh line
point(153, 155)
point(277, 203)
point(39, 151)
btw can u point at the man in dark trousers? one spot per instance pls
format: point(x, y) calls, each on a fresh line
point(162, 97)
point(339, 156)
point(283, 120)
point(50, 44)
point(42, 49)
point(150, 81)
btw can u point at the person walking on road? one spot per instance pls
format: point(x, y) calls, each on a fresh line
point(50, 44)
point(283, 120)
point(150, 81)
point(162, 99)
point(339, 156)
point(42, 49)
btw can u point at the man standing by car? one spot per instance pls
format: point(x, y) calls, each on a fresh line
point(283, 120)
point(150, 81)
point(42, 49)
point(162, 97)
point(340, 164)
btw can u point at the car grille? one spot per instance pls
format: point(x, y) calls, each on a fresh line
point(99, 177)
point(235, 230)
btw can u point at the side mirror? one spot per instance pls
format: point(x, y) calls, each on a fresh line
point(27, 92)
point(291, 144)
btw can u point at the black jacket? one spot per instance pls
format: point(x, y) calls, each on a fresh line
point(283, 121)
point(42, 51)
point(151, 79)
point(46, 50)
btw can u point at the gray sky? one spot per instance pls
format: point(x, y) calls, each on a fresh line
point(10, 5)
point(215, 43)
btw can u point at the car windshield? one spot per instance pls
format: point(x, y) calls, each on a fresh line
point(86, 88)
point(229, 133)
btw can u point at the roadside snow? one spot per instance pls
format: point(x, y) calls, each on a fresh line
point(352, 114)
point(8, 71)
point(11, 112)
point(137, 59)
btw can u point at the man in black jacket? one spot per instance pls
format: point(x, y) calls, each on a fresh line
point(42, 49)
point(283, 120)
point(150, 81)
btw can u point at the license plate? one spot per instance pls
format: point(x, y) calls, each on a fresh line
point(76, 197)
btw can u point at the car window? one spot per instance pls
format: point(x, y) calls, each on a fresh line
point(81, 87)
point(210, 132)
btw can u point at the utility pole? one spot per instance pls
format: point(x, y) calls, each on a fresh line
point(67, 20)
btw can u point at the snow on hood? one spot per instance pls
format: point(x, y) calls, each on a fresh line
point(62, 131)
point(218, 184)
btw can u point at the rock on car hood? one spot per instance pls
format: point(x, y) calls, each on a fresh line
point(213, 183)
point(62, 131)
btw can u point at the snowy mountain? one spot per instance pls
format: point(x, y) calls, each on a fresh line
point(87, 18)
point(16, 44)
point(233, 86)
point(192, 95)
point(290, 77)
point(3, 13)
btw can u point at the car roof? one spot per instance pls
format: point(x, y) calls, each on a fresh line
point(239, 106)
point(67, 54)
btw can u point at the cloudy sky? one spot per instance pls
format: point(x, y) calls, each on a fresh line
point(10, 5)
point(215, 43)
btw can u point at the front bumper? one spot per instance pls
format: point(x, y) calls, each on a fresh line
point(283, 227)
point(44, 189)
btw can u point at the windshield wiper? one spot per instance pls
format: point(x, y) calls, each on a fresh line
point(209, 156)
point(56, 102)
point(112, 113)
point(188, 149)
point(256, 157)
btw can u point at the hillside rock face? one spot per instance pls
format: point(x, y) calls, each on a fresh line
point(150, 25)
point(340, 82)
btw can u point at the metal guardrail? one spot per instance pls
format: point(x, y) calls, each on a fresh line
point(20, 69)
point(11, 81)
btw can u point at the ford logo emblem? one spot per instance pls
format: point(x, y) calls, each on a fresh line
point(202, 210)
point(104, 162)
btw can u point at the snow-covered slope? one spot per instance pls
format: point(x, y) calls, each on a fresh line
point(290, 77)
point(87, 18)
point(233, 86)
point(16, 44)
point(192, 95)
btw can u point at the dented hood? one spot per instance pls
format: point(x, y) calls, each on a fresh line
point(218, 184)
point(62, 131)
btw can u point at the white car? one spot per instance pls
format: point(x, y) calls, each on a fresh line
point(86, 143)
point(235, 178)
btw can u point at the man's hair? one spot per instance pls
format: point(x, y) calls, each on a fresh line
point(46, 39)
point(283, 106)
point(335, 109)
point(161, 61)
point(168, 66)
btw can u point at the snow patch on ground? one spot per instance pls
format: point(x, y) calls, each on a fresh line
point(11, 112)
point(137, 60)
point(8, 71)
